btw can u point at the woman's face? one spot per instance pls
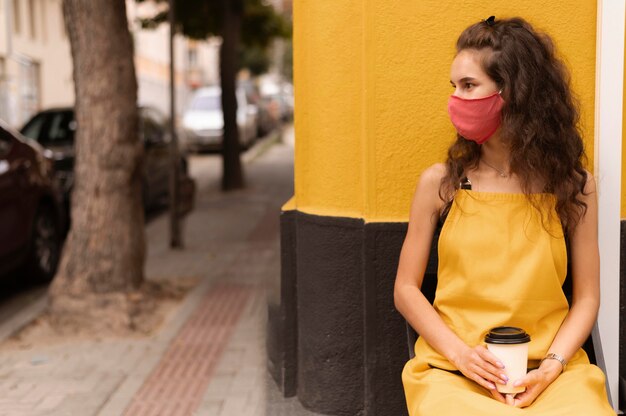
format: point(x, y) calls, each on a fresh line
point(468, 78)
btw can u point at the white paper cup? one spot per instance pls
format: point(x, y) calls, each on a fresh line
point(510, 345)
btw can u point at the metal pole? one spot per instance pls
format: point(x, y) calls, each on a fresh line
point(175, 234)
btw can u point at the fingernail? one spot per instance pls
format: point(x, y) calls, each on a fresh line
point(517, 383)
point(492, 387)
point(500, 364)
point(505, 378)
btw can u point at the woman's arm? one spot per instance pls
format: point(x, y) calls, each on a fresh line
point(476, 363)
point(585, 258)
point(575, 329)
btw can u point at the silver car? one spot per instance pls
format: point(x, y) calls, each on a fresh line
point(203, 122)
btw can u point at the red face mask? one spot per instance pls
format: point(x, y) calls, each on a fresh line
point(476, 119)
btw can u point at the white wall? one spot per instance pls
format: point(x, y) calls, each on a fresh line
point(152, 61)
point(47, 48)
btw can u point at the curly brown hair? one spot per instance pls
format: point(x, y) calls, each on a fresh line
point(539, 118)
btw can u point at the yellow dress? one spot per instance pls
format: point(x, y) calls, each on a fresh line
point(501, 263)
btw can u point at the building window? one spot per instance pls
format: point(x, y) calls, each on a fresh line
point(192, 57)
point(16, 16)
point(32, 18)
point(29, 89)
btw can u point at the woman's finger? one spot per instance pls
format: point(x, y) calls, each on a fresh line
point(523, 401)
point(489, 357)
point(481, 381)
point(526, 398)
point(498, 396)
point(492, 364)
point(477, 359)
point(498, 373)
point(527, 380)
point(487, 375)
point(510, 399)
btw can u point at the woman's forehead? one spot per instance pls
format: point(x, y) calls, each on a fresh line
point(467, 64)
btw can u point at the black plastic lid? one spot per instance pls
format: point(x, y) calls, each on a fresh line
point(507, 335)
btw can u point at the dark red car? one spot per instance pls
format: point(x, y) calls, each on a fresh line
point(31, 217)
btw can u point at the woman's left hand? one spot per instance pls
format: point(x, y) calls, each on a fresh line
point(536, 381)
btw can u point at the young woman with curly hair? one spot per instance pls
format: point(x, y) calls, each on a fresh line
point(512, 191)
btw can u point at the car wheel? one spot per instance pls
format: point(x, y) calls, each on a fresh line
point(45, 246)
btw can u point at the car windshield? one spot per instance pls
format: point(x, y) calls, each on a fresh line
point(32, 129)
point(206, 103)
point(55, 128)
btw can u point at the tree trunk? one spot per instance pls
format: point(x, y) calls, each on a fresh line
point(104, 255)
point(232, 13)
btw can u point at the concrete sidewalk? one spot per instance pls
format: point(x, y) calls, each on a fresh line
point(209, 356)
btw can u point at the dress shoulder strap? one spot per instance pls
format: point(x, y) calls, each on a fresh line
point(465, 183)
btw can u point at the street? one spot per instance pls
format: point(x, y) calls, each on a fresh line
point(208, 356)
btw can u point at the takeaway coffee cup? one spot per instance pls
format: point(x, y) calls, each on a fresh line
point(510, 345)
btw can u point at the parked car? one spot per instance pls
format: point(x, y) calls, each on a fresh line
point(55, 128)
point(31, 216)
point(279, 98)
point(203, 122)
point(267, 117)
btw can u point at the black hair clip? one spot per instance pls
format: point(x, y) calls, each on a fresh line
point(491, 20)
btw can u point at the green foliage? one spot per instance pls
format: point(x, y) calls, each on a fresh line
point(200, 19)
point(261, 23)
point(255, 59)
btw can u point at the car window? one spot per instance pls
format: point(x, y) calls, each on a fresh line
point(51, 128)
point(153, 133)
point(6, 142)
point(60, 129)
point(154, 114)
point(206, 103)
point(33, 128)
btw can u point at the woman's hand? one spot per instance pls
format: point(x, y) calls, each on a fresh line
point(536, 381)
point(481, 366)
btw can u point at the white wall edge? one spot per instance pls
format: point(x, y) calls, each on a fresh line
point(608, 173)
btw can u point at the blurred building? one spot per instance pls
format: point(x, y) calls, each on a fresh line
point(196, 62)
point(279, 46)
point(35, 60)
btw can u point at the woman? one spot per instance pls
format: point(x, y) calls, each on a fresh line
point(512, 190)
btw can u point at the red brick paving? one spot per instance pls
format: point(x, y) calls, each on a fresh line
point(177, 384)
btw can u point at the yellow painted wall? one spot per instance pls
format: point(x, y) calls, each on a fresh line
point(372, 84)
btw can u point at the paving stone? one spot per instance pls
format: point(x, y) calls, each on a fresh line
point(231, 240)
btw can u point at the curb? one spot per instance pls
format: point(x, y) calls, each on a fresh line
point(23, 317)
point(121, 398)
point(262, 146)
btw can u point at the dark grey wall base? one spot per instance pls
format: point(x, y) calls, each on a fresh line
point(385, 334)
point(336, 325)
point(330, 314)
point(282, 325)
point(336, 339)
point(622, 319)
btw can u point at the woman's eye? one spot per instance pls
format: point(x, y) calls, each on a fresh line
point(469, 86)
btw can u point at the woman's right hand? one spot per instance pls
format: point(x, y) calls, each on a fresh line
point(480, 365)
